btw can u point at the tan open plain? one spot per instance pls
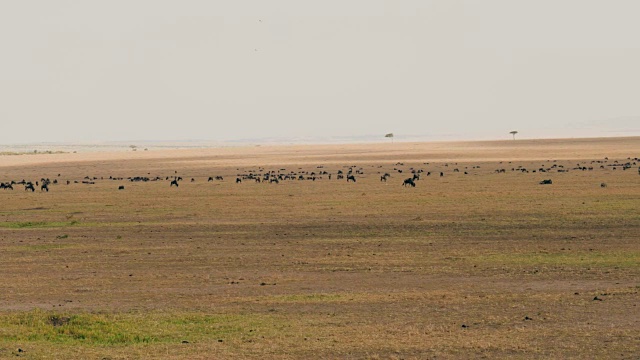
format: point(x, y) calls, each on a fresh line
point(481, 262)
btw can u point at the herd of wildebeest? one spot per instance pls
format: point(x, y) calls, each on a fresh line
point(350, 172)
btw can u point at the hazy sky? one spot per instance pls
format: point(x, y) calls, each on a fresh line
point(88, 70)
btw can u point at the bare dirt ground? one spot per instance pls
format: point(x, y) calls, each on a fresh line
point(476, 263)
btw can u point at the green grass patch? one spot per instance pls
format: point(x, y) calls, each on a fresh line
point(100, 329)
point(39, 247)
point(309, 298)
point(64, 224)
point(37, 224)
point(627, 259)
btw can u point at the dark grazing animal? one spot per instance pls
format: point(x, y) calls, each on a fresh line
point(351, 178)
point(29, 186)
point(546, 182)
point(174, 182)
point(409, 181)
point(121, 187)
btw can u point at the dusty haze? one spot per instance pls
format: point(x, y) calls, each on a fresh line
point(220, 70)
point(469, 151)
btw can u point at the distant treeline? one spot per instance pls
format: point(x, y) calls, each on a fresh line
point(34, 152)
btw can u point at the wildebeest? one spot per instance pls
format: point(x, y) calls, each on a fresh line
point(546, 182)
point(603, 185)
point(139, 178)
point(121, 187)
point(44, 187)
point(174, 182)
point(351, 178)
point(238, 180)
point(29, 186)
point(409, 181)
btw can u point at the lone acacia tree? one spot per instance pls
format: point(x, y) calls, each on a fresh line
point(389, 135)
point(514, 134)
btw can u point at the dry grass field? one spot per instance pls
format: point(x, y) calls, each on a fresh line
point(479, 265)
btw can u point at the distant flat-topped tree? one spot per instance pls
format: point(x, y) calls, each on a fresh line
point(514, 134)
point(389, 135)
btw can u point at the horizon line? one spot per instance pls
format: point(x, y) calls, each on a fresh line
point(290, 141)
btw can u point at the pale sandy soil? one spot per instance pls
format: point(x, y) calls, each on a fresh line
point(477, 151)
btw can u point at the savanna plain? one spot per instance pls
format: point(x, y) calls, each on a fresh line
point(481, 262)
